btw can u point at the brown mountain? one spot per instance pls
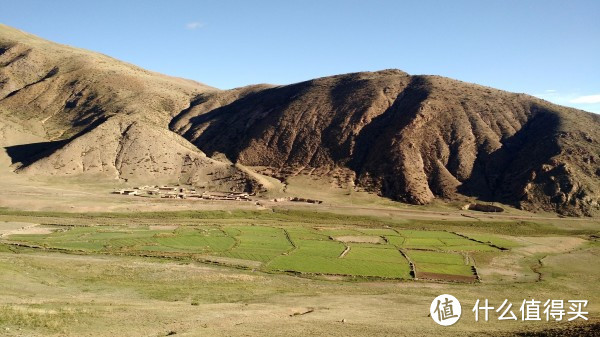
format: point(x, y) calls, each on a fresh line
point(409, 138)
point(98, 116)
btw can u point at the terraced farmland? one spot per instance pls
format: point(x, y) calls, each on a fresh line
point(346, 251)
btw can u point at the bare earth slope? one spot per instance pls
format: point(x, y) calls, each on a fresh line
point(68, 89)
point(409, 138)
point(99, 116)
point(122, 148)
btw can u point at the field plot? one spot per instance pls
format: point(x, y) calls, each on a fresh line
point(304, 233)
point(346, 251)
point(494, 240)
point(195, 240)
point(257, 243)
point(436, 240)
point(324, 257)
point(90, 238)
point(441, 265)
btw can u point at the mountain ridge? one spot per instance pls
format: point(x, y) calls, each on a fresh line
point(412, 138)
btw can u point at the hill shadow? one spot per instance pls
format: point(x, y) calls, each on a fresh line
point(28, 153)
point(502, 174)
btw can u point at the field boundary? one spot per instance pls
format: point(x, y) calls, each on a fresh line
point(413, 270)
point(479, 241)
point(346, 250)
point(289, 238)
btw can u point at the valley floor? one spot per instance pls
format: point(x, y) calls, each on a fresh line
point(107, 293)
point(92, 284)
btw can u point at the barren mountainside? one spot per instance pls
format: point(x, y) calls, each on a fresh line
point(409, 138)
point(132, 150)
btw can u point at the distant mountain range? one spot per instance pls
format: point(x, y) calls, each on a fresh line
point(409, 138)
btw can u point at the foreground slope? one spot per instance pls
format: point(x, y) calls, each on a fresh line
point(77, 291)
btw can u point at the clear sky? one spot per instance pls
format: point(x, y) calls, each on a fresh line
point(547, 48)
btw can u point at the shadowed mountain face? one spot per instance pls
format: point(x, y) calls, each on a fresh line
point(409, 138)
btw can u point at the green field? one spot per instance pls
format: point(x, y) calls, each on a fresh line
point(366, 252)
point(440, 263)
point(494, 240)
point(284, 272)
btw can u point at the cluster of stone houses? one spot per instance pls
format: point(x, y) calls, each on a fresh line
point(181, 192)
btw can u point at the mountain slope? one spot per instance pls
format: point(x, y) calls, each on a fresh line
point(409, 138)
point(100, 116)
point(122, 148)
point(68, 89)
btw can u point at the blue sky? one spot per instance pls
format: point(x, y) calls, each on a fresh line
point(547, 48)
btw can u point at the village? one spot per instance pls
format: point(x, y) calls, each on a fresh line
point(182, 192)
point(188, 192)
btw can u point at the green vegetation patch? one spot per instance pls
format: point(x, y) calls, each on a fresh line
point(369, 253)
point(435, 240)
point(289, 248)
point(448, 269)
point(435, 257)
point(321, 248)
point(304, 233)
point(340, 266)
point(197, 240)
point(448, 263)
point(324, 257)
point(494, 240)
point(397, 241)
point(258, 243)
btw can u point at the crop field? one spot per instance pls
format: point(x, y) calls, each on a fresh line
point(348, 251)
point(289, 273)
point(257, 243)
point(494, 240)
